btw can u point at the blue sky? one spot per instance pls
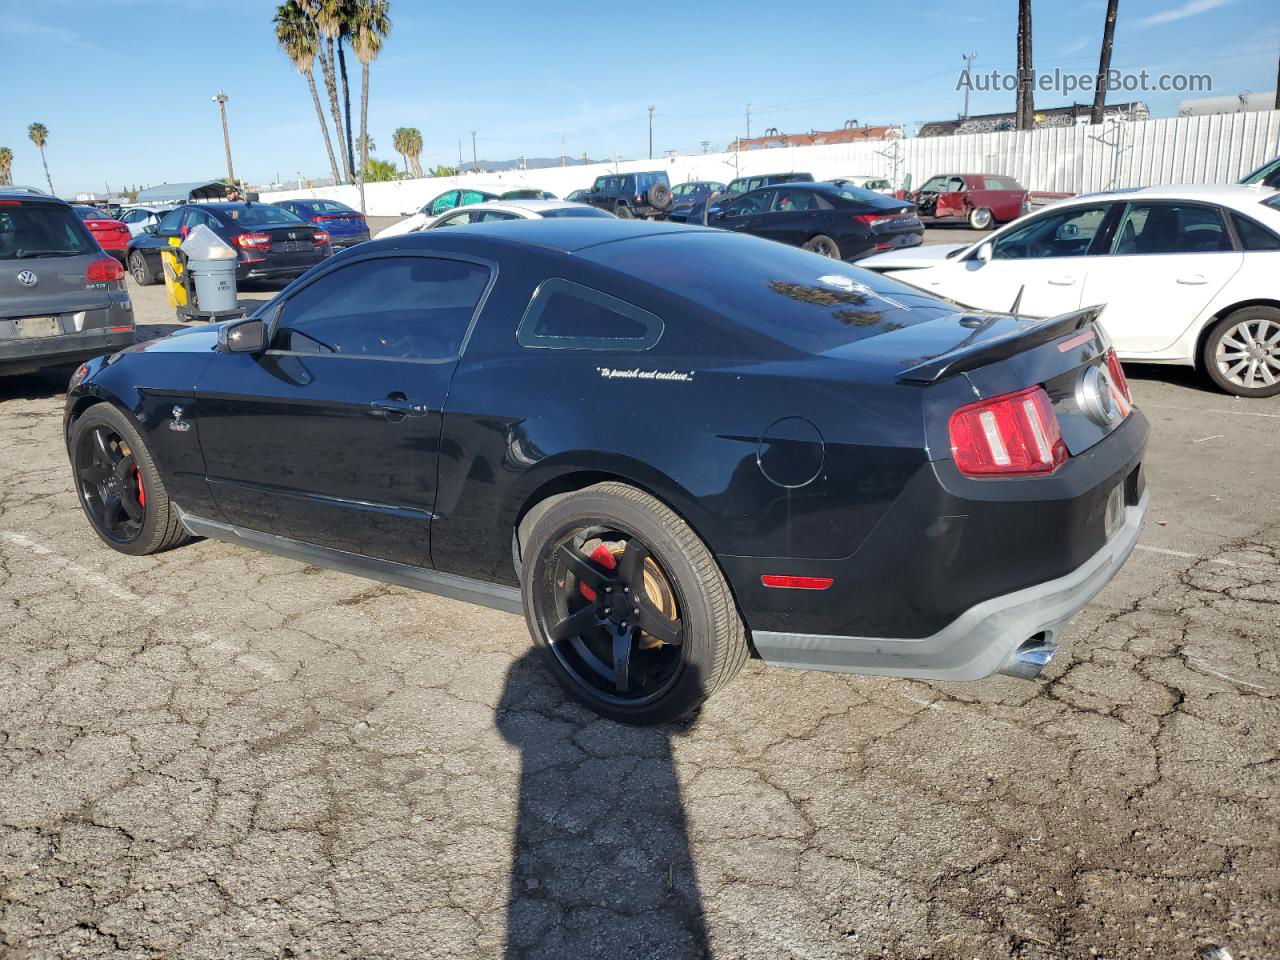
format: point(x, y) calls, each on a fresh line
point(124, 86)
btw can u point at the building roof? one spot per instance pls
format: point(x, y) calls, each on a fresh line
point(815, 138)
point(183, 192)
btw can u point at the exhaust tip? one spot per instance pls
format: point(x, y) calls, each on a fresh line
point(1030, 658)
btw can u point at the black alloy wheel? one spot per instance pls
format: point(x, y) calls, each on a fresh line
point(110, 484)
point(823, 246)
point(629, 605)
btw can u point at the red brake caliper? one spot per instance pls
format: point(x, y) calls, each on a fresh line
point(142, 494)
point(603, 556)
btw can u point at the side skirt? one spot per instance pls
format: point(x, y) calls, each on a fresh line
point(448, 585)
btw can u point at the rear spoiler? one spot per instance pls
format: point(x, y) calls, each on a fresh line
point(971, 356)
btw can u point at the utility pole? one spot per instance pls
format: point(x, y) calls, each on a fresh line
point(459, 154)
point(1278, 84)
point(562, 156)
point(706, 146)
point(650, 131)
point(748, 121)
point(1104, 64)
point(474, 162)
point(220, 99)
point(968, 68)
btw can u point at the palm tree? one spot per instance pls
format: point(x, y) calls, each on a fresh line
point(1104, 64)
point(415, 152)
point(400, 143)
point(333, 17)
point(369, 26)
point(365, 145)
point(6, 167)
point(298, 38)
point(321, 13)
point(39, 135)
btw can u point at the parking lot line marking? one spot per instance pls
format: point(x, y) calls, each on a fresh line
point(1234, 413)
point(1165, 551)
point(1226, 676)
point(83, 573)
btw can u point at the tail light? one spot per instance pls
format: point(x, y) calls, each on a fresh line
point(104, 271)
point(320, 238)
point(1119, 385)
point(252, 241)
point(1015, 435)
point(321, 218)
point(872, 219)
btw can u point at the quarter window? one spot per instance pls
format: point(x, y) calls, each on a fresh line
point(568, 315)
point(398, 308)
point(1254, 236)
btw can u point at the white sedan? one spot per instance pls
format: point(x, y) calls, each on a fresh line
point(137, 219)
point(513, 210)
point(1187, 274)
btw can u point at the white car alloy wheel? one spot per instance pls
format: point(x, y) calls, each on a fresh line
point(1248, 353)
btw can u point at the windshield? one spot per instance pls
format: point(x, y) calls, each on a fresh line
point(784, 293)
point(258, 215)
point(40, 230)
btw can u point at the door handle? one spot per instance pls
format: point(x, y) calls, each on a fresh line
point(1063, 281)
point(397, 405)
point(1194, 280)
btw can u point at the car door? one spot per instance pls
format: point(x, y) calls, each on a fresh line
point(791, 218)
point(1166, 262)
point(330, 436)
point(1045, 259)
point(747, 213)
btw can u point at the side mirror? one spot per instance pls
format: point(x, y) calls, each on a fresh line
point(985, 251)
point(246, 336)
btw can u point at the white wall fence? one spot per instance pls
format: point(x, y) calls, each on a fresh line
point(1082, 159)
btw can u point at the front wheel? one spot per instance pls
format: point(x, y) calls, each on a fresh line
point(824, 246)
point(981, 219)
point(1242, 352)
point(119, 486)
point(628, 604)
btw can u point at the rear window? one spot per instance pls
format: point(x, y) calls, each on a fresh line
point(330, 206)
point(90, 213)
point(791, 296)
point(257, 215)
point(559, 212)
point(859, 195)
point(40, 230)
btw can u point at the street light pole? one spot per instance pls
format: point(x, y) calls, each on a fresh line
point(650, 131)
point(474, 162)
point(748, 121)
point(221, 99)
point(968, 66)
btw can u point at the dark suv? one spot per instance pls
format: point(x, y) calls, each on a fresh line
point(628, 195)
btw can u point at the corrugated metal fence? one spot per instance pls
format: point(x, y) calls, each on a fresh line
point(1210, 149)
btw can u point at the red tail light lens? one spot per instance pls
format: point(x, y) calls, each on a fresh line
point(104, 271)
point(1119, 384)
point(871, 219)
point(252, 241)
point(321, 218)
point(1016, 435)
point(320, 238)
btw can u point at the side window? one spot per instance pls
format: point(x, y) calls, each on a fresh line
point(994, 183)
point(758, 202)
point(934, 185)
point(1065, 233)
point(1254, 236)
point(568, 315)
point(454, 221)
point(446, 201)
point(490, 216)
point(1170, 228)
point(472, 196)
point(172, 220)
point(790, 201)
point(398, 308)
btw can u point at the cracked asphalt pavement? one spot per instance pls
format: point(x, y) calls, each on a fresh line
point(218, 753)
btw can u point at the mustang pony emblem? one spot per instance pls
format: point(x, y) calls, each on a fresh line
point(177, 423)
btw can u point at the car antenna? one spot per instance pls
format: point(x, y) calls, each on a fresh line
point(1017, 301)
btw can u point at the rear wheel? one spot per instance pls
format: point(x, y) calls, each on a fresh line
point(623, 212)
point(629, 606)
point(140, 269)
point(1242, 352)
point(823, 245)
point(119, 486)
point(981, 219)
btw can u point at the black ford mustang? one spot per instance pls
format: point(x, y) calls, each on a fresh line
point(669, 447)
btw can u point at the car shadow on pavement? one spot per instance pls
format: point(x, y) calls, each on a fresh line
point(601, 862)
point(35, 386)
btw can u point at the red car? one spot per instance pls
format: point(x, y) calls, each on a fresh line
point(983, 199)
point(112, 235)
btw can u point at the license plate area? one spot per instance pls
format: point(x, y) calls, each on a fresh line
point(291, 246)
point(35, 327)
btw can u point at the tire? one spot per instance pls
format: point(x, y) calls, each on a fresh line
point(623, 212)
point(1236, 354)
point(823, 246)
point(981, 219)
point(159, 528)
point(659, 196)
point(140, 269)
point(712, 646)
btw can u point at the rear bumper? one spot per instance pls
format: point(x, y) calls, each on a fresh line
point(983, 640)
point(27, 355)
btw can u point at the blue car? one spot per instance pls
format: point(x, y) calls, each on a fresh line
point(344, 225)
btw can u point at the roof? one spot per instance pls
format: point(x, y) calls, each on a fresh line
point(1237, 195)
point(564, 234)
point(28, 194)
point(533, 206)
point(183, 192)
